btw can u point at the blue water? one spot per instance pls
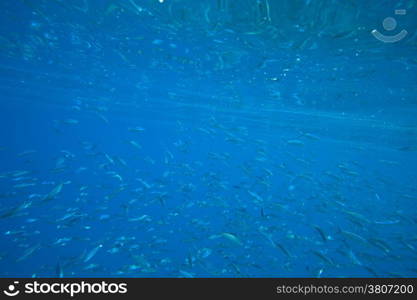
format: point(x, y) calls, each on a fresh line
point(207, 139)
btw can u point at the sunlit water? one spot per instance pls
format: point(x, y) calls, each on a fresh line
point(207, 139)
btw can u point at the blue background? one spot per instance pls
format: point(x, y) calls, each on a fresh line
point(276, 139)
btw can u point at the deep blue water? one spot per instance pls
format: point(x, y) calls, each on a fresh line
point(207, 139)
